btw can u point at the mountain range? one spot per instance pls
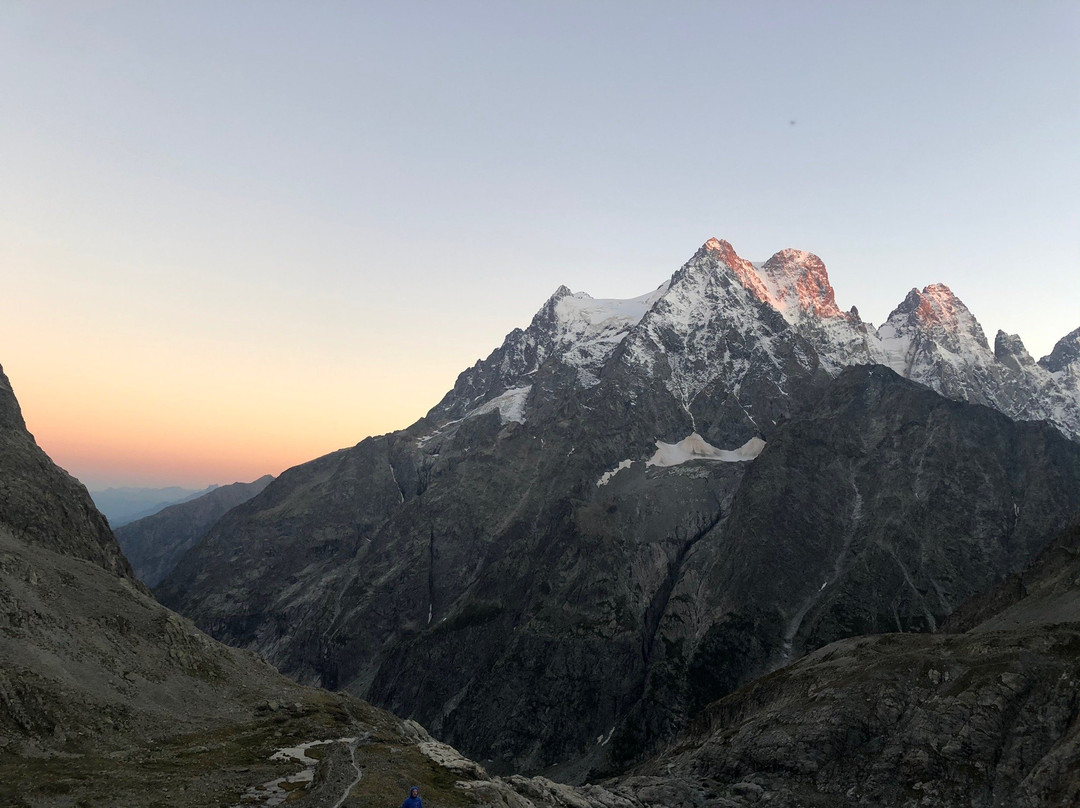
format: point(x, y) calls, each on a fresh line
point(153, 544)
point(124, 505)
point(632, 508)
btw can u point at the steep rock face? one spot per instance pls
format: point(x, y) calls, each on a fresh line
point(798, 287)
point(1065, 358)
point(155, 543)
point(881, 508)
point(43, 504)
point(893, 498)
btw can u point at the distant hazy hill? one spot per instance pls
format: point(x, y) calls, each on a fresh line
point(124, 505)
point(155, 543)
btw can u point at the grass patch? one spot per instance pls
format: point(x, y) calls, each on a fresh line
point(193, 770)
point(389, 771)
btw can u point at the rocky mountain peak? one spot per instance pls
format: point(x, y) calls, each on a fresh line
point(1009, 349)
point(938, 310)
point(718, 252)
point(719, 246)
point(10, 414)
point(546, 317)
point(1065, 356)
point(798, 279)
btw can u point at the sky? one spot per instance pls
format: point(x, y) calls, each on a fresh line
point(235, 236)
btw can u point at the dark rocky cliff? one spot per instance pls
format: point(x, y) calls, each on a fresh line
point(43, 504)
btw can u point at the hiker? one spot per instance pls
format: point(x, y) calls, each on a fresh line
point(413, 800)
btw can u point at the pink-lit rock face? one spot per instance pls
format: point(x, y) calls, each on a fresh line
point(939, 306)
point(790, 280)
point(798, 278)
point(936, 310)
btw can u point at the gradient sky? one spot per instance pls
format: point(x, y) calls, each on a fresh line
point(237, 235)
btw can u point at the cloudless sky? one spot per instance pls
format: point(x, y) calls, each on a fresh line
point(237, 235)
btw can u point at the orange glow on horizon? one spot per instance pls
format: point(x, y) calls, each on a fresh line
point(129, 379)
point(141, 427)
point(140, 452)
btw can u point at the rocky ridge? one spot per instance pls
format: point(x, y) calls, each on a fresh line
point(931, 338)
point(44, 505)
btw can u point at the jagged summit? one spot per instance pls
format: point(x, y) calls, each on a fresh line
point(938, 309)
point(722, 319)
point(1009, 349)
point(790, 280)
point(719, 253)
point(1065, 358)
point(930, 328)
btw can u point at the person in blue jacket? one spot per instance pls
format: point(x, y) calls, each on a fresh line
point(413, 800)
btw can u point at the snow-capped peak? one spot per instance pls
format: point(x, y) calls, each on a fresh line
point(723, 253)
point(578, 329)
point(713, 323)
point(936, 309)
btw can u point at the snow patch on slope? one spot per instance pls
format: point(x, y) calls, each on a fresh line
point(695, 447)
point(605, 478)
point(589, 329)
point(510, 405)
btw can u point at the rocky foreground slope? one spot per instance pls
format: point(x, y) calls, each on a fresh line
point(633, 507)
